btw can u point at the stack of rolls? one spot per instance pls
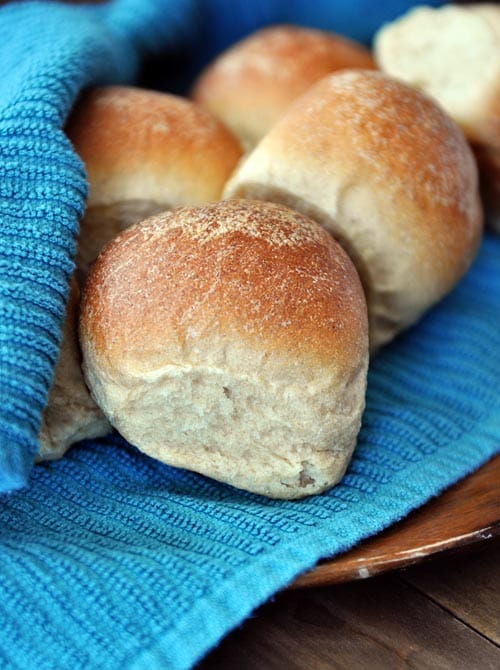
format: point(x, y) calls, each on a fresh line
point(389, 174)
point(232, 336)
point(144, 151)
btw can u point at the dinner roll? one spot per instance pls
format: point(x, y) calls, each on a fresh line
point(251, 84)
point(70, 414)
point(453, 54)
point(230, 339)
point(144, 152)
point(389, 175)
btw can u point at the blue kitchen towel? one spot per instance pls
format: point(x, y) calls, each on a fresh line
point(48, 52)
point(110, 559)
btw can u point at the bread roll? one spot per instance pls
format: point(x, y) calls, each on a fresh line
point(389, 175)
point(453, 54)
point(70, 414)
point(230, 339)
point(252, 84)
point(144, 152)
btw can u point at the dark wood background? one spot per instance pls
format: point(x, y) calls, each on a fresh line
point(444, 614)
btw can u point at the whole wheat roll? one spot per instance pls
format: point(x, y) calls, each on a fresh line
point(453, 54)
point(386, 171)
point(251, 85)
point(144, 151)
point(230, 339)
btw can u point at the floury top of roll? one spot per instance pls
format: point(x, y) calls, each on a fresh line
point(251, 84)
point(392, 178)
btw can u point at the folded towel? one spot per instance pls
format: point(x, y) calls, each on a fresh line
point(113, 560)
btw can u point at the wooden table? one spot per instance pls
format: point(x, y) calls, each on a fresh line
point(444, 614)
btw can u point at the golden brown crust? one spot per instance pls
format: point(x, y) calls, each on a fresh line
point(232, 340)
point(144, 145)
point(389, 174)
point(256, 273)
point(400, 140)
point(251, 84)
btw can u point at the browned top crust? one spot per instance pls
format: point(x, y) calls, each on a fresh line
point(144, 145)
point(389, 174)
point(173, 288)
point(384, 132)
point(251, 84)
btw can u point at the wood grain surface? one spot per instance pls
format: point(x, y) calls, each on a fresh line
point(468, 586)
point(467, 513)
point(444, 616)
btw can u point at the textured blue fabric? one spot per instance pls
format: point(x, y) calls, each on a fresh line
point(222, 22)
point(48, 52)
point(110, 559)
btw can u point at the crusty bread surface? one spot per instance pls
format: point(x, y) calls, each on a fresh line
point(252, 84)
point(144, 151)
point(386, 171)
point(232, 340)
point(138, 144)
